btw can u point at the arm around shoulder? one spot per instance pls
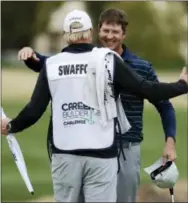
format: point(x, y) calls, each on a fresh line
point(153, 91)
point(32, 59)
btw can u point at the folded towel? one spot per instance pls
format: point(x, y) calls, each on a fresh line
point(99, 92)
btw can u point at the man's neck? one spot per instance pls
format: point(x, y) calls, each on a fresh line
point(83, 41)
point(119, 50)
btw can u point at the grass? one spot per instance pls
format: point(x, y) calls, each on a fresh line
point(33, 145)
point(153, 144)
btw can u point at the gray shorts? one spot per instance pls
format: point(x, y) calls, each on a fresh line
point(95, 177)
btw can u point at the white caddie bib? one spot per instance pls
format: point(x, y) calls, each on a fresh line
point(75, 125)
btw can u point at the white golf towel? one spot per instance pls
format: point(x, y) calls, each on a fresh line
point(18, 157)
point(98, 92)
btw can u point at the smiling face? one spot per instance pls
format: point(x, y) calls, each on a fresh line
point(112, 29)
point(111, 35)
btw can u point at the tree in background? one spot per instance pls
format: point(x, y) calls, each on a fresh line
point(21, 21)
point(154, 35)
point(44, 10)
point(17, 23)
point(94, 9)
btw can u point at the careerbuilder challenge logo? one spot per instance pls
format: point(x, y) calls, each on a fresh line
point(77, 113)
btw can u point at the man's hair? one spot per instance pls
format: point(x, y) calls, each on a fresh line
point(116, 16)
point(72, 37)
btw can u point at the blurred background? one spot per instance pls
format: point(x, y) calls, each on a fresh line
point(157, 31)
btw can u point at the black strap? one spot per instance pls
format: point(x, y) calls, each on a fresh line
point(160, 169)
point(120, 148)
point(49, 140)
point(49, 148)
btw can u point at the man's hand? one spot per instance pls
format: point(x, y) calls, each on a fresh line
point(169, 153)
point(27, 53)
point(184, 75)
point(4, 123)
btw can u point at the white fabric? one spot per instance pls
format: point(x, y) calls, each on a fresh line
point(18, 156)
point(77, 16)
point(75, 125)
point(165, 179)
point(99, 86)
point(2, 113)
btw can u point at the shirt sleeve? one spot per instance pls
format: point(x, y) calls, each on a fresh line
point(130, 81)
point(165, 109)
point(36, 65)
point(35, 108)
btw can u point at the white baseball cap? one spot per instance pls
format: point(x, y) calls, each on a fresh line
point(77, 16)
point(164, 176)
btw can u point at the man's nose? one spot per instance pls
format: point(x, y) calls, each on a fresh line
point(109, 35)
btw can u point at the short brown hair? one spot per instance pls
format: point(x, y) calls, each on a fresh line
point(114, 16)
point(73, 37)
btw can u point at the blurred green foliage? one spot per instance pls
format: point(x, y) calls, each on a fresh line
point(43, 12)
point(22, 21)
point(155, 36)
point(33, 145)
point(17, 23)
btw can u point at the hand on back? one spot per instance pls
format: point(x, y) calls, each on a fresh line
point(27, 53)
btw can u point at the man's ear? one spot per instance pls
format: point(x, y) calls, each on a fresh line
point(124, 36)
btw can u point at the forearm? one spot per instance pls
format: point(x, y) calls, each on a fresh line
point(153, 91)
point(26, 118)
point(35, 108)
point(168, 118)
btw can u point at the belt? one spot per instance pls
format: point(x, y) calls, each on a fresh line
point(129, 144)
point(122, 146)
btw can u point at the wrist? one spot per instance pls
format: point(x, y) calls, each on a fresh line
point(170, 140)
point(182, 81)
